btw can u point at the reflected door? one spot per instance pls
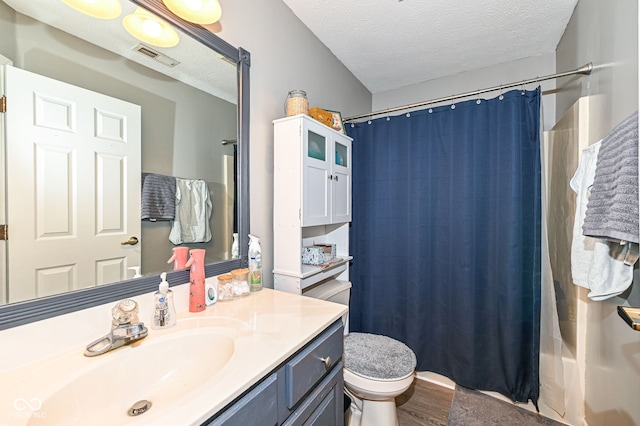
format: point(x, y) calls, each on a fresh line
point(66, 231)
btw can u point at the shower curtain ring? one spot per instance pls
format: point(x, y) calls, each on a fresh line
point(478, 101)
point(501, 97)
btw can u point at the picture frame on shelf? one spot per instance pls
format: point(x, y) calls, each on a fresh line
point(338, 124)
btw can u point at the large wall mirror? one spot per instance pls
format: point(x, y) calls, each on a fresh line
point(182, 112)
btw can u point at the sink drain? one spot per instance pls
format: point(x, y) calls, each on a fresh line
point(139, 407)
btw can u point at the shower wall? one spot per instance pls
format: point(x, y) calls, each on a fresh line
point(574, 132)
point(605, 33)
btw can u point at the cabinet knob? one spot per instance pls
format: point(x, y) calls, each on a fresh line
point(330, 177)
point(335, 178)
point(327, 361)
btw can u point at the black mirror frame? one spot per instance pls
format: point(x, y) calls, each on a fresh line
point(20, 313)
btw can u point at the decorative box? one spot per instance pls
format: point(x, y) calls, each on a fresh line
point(312, 255)
point(328, 251)
point(325, 117)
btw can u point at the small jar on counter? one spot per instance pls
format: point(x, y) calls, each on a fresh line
point(225, 288)
point(240, 282)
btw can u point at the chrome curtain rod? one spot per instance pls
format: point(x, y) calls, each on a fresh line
point(585, 70)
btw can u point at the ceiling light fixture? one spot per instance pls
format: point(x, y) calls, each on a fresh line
point(149, 28)
point(102, 9)
point(201, 12)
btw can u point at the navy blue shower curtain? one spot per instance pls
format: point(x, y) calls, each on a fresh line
point(446, 239)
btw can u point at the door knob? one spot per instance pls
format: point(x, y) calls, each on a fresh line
point(132, 241)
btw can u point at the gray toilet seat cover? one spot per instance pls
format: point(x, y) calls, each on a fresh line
point(378, 357)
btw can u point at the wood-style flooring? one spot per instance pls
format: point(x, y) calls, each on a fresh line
point(424, 404)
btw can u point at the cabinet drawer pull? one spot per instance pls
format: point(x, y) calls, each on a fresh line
point(327, 361)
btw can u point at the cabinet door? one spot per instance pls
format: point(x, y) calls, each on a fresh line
point(316, 174)
point(324, 406)
point(341, 172)
point(257, 408)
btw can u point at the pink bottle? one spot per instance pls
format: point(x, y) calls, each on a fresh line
point(196, 280)
point(179, 258)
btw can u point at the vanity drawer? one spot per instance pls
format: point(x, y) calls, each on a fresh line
point(313, 363)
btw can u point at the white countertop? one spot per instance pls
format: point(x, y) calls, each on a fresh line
point(37, 359)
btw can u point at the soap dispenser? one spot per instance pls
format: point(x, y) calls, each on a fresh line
point(136, 271)
point(164, 313)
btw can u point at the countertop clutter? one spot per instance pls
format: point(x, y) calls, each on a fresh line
point(187, 372)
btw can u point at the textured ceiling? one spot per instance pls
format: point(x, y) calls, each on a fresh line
point(197, 64)
point(388, 44)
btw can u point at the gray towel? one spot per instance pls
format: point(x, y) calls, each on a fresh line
point(158, 197)
point(612, 210)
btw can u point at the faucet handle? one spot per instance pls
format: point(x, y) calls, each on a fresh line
point(125, 311)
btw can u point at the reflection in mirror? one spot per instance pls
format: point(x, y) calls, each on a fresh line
point(185, 106)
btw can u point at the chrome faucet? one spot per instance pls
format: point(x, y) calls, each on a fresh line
point(123, 329)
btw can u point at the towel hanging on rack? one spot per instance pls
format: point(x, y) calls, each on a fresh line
point(612, 210)
point(599, 265)
point(193, 212)
point(158, 197)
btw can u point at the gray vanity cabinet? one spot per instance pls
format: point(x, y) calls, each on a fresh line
point(324, 406)
point(305, 390)
point(258, 407)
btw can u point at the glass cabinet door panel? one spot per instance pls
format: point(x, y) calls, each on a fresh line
point(342, 155)
point(317, 146)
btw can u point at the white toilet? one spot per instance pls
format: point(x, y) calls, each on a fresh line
point(377, 368)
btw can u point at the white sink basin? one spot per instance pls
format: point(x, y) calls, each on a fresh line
point(161, 370)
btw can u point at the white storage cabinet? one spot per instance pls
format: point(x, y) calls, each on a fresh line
point(312, 199)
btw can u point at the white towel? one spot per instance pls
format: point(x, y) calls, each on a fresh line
point(604, 267)
point(193, 212)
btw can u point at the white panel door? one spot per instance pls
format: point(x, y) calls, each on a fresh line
point(73, 167)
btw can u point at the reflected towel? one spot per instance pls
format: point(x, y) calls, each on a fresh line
point(158, 197)
point(193, 212)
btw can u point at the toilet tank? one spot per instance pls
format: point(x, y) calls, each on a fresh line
point(333, 291)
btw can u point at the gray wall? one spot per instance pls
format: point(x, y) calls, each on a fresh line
point(285, 55)
point(509, 72)
point(606, 33)
point(7, 39)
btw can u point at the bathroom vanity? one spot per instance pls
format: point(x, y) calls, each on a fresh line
point(307, 389)
point(269, 358)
